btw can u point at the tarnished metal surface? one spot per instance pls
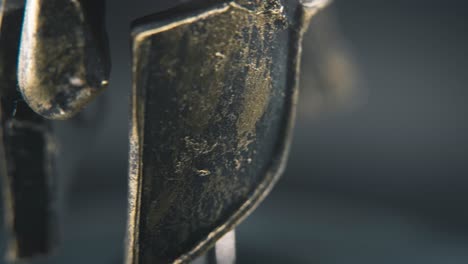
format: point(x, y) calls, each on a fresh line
point(64, 60)
point(26, 153)
point(213, 107)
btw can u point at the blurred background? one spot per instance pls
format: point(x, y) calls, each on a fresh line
point(379, 166)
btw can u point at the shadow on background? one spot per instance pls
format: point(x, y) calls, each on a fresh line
point(381, 178)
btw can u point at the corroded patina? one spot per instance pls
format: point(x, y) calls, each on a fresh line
point(213, 106)
point(64, 61)
point(26, 153)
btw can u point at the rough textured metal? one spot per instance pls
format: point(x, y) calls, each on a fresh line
point(64, 60)
point(26, 153)
point(213, 107)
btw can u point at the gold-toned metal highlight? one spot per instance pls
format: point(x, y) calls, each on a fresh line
point(64, 61)
point(26, 154)
point(213, 107)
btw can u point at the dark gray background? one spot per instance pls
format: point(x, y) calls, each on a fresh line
point(382, 181)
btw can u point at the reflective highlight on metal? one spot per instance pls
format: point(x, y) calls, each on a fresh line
point(213, 107)
point(26, 154)
point(224, 251)
point(64, 59)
